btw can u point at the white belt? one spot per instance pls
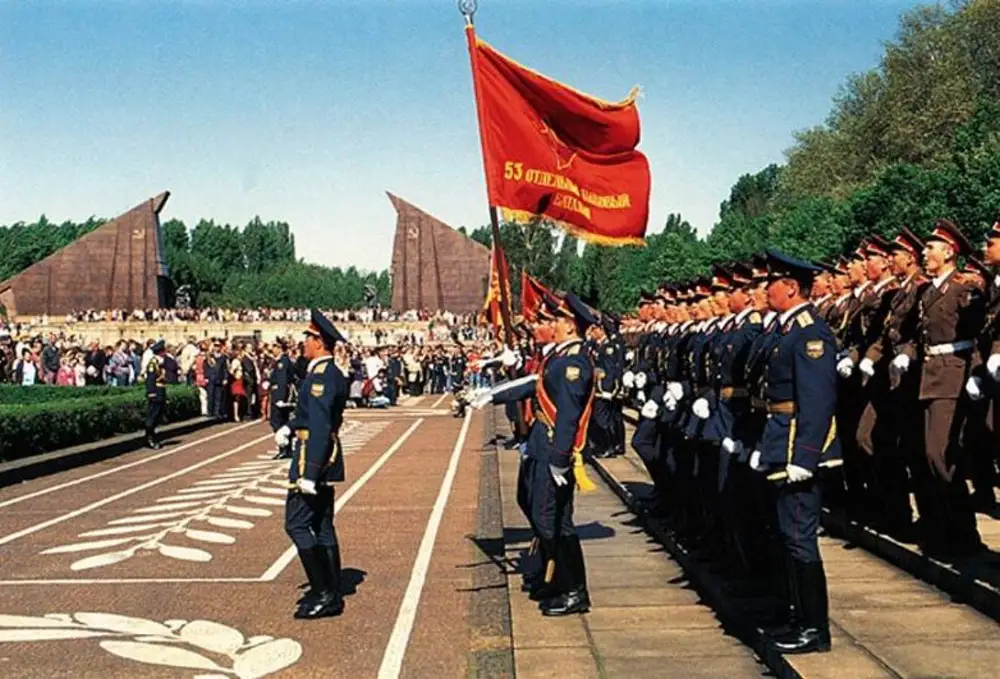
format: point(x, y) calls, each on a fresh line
point(948, 348)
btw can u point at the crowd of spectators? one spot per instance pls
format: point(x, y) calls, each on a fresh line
point(437, 357)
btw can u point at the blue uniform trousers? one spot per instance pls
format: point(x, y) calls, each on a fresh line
point(309, 518)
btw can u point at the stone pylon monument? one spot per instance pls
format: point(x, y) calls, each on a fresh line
point(119, 265)
point(434, 266)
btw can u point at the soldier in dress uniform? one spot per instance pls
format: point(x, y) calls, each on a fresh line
point(951, 315)
point(985, 470)
point(564, 391)
point(156, 393)
point(317, 463)
point(798, 435)
point(280, 388)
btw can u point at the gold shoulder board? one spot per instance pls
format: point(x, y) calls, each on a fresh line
point(320, 368)
point(804, 319)
point(755, 317)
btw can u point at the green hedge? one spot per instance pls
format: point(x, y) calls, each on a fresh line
point(15, 394)
point(27, 429)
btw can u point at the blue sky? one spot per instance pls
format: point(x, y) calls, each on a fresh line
point(309, 111)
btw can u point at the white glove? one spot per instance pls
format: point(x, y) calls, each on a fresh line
point(629, 355)
point(559, 474)
point(641, 396)
point(867, 366)
point(283, 436)
point(481, 399)
point(993, 366)
point(796, 473)
point(640, 380)
point(669, 402)
point(755, 461)
point(901, 363)
point(265, 385)
point(628, 379)
point(974, 388)
point(306, 487)
point(650, 410)
point(700, 408)
point(845, 367)
point(509, 357)
point(729, 445)
point(676, 390)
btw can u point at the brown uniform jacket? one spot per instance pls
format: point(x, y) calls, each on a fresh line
point(949, 314)
point(857, 323)
point(899, 329)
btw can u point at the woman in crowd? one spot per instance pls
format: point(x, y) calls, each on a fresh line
point(65, 376)
point(236, 387)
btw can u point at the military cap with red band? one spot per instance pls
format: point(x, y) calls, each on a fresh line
point(741, 273)
point(759, 267)
point(860, 252)
point(945, 231)
point(722, 280)
point(909, 241)
point(877, 246)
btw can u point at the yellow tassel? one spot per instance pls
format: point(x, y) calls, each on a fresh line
point(534, 547)
point(550, 570)
point(583, 482)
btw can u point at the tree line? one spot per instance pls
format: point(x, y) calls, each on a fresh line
point(911, 140)
point(219, 264)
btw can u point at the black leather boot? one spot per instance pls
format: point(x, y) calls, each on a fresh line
point(813, 634)
point(573, 582)
point(333, 562)
point(322, 601)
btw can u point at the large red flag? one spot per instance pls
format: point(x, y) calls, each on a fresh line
point(556, 153)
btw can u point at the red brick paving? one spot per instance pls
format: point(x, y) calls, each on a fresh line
point(379, 529)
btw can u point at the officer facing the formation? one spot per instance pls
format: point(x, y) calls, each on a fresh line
point(156, 394)
point(317, 462)
point(564, 391)
point(280, 387)
point(800, 433)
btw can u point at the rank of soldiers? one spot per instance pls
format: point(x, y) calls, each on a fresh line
point(767, 390)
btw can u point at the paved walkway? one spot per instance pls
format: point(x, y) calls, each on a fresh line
point(646, 621)
point(175, 563)
point(884, 622)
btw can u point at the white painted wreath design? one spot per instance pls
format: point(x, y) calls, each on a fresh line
point(168, 643)
point(184, 514)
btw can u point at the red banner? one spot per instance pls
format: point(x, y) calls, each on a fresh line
point(554, 153)
point(532, 294)
point(492, 306)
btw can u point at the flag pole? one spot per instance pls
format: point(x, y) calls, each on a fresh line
point(468, 10)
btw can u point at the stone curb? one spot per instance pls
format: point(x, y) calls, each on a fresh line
point(492, 643)
point(964, 587)
point(24, 469)
point(707, 586)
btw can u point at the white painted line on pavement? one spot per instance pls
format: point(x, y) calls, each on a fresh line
point(438, 402)
point(392, 660)
point(137, 489)
point(275, 570)
point(115, 470)
point(124, 581)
